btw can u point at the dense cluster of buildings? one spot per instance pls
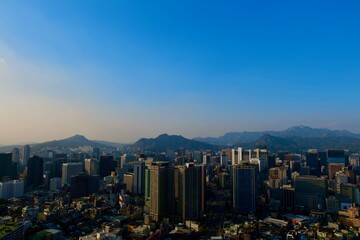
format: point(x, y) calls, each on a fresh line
point(92, 193)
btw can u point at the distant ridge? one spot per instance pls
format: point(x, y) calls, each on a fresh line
point(164, 142)
point(234, 138)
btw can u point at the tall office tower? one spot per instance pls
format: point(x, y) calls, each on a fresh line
point(59, 159)
point(25, 155)
point(35, 173)
point(271, 161)
point(312, 160)
point(147, 187)
point(106, 165)
point(91, 166)
point(8, 167)
point(310, 192)
point(288, 198)
point(191, 191)
point(245, 188)
point(278, 177)
point(16, 155)
point(69, 170)
point(139, 178)
point(83, 185)
point(96, 153)
point(129, 182)
point(336, 156)
point(161, 191)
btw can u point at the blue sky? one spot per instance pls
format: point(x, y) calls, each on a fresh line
point(120, 70)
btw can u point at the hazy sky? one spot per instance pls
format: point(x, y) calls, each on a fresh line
point(120, 70)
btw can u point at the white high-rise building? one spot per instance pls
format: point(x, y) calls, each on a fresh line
point(240, 155)
point(69, 170)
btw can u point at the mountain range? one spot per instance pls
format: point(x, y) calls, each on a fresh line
point(71, 142)
point(294, 139)
point(235, 138)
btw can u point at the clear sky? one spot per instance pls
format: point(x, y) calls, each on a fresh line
point(120, 70)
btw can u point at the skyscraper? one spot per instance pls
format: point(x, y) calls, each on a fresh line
point(96, 153)
point(161, 190)
point(106, 165)
point(245, 188)
point(147, 187)
point(69, 170)
point(310, 191)
point(191, 190)
point(312, 160)
point(139, 178)
point(35, 171)
point(91, 166)
point(83, 185)
point(8, 167)
point(16, 155)
point(25, 155)
point(129, 182)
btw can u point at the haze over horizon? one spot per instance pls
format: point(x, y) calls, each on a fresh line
point(123, 70)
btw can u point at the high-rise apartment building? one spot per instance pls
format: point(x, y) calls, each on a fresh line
point(11, 189)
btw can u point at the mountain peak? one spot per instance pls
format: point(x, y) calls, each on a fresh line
point(165, 142)
point(77, 137)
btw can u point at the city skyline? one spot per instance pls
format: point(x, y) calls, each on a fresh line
point(127, 70)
